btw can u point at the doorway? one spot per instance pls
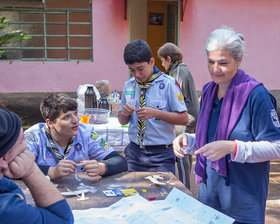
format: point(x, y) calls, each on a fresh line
point(155, 21)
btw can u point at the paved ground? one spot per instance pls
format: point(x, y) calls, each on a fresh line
point(273, 201)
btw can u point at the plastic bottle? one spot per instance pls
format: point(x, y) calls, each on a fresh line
point(103, 103)
point(90, 98)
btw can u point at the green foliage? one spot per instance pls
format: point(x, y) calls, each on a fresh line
point(10, 37)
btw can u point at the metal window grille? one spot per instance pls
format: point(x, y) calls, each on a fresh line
point(56, 34)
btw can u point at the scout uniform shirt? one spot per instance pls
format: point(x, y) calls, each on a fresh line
point(163, 94)
point(87, 144)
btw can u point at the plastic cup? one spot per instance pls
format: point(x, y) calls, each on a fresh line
point(84, 119)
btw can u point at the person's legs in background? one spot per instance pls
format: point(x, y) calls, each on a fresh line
point(184, 165)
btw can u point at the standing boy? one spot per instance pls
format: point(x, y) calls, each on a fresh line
point(152, 104)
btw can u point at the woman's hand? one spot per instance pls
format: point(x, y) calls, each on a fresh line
point(179, 142)
point(216, 150)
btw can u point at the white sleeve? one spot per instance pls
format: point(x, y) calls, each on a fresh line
point(191, 148)
point(254, 152)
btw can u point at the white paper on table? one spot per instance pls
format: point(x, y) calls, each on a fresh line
point(196, 209)
point(177, 208)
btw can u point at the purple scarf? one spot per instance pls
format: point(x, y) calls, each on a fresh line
point(234, 101)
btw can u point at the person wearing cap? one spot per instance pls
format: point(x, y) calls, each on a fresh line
point(63, 146)
point(17, 162)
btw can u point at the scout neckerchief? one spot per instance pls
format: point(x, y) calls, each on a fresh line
point(54, 147)
point(143, 87)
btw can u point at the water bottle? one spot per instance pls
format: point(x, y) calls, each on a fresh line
point(90, 98)
point(103, 103)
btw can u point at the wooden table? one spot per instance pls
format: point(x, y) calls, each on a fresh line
point(98, 199)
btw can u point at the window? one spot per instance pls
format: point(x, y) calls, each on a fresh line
point(60, 30)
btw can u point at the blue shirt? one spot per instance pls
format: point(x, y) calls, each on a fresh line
point(242, 194)
point(13, 209)
point(86, 144)
point(163, 94)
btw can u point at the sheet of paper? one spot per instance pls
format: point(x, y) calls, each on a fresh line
point(196, 209)
point(178, 208)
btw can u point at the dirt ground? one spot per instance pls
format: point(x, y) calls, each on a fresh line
point(273, 201)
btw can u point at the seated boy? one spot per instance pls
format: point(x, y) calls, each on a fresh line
point(62, 144)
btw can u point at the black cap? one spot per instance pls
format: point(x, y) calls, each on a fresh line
point(10, 126)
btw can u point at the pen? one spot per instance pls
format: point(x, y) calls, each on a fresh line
point(151, 198)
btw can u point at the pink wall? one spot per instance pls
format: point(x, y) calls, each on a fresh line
point(258, 20)
point(110, 35)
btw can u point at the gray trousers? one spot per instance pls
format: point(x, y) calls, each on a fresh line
point(184, 165)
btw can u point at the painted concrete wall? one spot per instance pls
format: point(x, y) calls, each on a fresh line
point(110, 35)
point(257, 20)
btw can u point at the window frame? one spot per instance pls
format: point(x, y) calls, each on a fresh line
point(44, 12)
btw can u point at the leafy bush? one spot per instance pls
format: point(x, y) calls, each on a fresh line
point(10, 37)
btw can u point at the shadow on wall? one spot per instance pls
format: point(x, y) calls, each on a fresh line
point(26, 105)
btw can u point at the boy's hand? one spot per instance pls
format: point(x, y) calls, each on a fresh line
point(93, 168)
point(146, 113)
point(127, 110)
point(62, 169)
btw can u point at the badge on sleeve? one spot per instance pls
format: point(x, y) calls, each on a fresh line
point(30, 136)
point(104, 144)
point(274, 118)
point(93, 135)
point(180, 96)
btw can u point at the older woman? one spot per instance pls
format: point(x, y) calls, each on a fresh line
point(237, 134)
point(171, 57)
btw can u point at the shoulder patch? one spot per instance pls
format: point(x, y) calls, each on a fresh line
point(180, 96)
point(93, 135)
point(30, 136)
point(274, 118)
point(104, 144)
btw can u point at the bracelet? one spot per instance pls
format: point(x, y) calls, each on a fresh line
point(235, 147)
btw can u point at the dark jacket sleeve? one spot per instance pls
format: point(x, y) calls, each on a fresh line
point(44, 169)
point(14, 209)
point(115, 163)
